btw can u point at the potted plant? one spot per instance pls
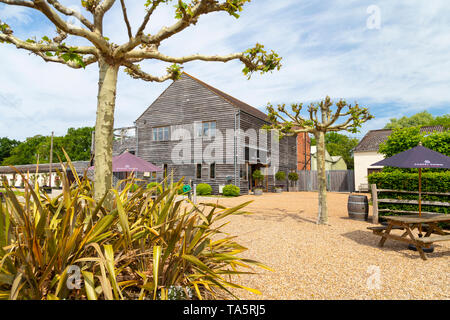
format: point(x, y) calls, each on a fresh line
point(258, 177)
point(293, 177)
point(45, 180)
point(279, 176)
point(57, 182)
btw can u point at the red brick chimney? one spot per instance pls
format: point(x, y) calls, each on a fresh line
point(303, 151)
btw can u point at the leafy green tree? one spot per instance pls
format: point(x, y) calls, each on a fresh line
point(6, 145)
point(43, 149)
point(77, 143)
point(423, 118)
point(406, 138)
point(443, 120)
point(26, 152)
point(110, 57)
point(339, 145)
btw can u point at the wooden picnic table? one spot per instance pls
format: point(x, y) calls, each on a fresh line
point(410, 222)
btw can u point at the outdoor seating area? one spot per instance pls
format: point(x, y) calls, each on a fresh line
point(410, 222)
point(336, 261)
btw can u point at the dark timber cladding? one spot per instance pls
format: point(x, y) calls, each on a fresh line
point(190, 100)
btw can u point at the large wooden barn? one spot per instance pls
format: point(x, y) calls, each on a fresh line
point(205, 116)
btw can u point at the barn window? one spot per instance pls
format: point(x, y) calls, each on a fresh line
point(161, 134)
point(198, 171)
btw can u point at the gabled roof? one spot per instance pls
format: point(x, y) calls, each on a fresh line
point(372, 140)
point(235, 102)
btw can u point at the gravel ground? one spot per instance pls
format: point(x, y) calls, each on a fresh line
point(337, 261)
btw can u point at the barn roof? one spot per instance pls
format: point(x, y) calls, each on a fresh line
point(235, 102)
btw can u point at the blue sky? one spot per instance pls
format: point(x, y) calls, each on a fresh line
point(399, 69)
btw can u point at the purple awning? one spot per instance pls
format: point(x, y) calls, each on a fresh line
point(127, 162)
point(417, 157)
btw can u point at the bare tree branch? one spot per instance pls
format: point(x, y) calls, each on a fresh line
point(202, 7)
point(44, 47)
point(146, 54)
point(147, 18)
point(135, 72)
point(29, 4)
point(99, 13)
point(87, 61)
point(125, 17)
point(69, 12)
point(95, 38)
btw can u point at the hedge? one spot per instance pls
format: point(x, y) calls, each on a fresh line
point(397, 180)
point(231, 190)
point(204, 189)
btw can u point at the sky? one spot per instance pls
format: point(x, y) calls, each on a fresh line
point(392, 57)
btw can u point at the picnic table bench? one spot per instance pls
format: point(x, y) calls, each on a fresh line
point(409, 223)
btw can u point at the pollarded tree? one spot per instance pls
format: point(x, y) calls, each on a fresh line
point(291, 122)
point(110, 57)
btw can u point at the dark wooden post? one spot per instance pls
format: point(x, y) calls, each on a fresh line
point(374, 203)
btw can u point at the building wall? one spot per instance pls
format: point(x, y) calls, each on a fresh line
point(303, 151)
point(184, 102)
point(363, 161)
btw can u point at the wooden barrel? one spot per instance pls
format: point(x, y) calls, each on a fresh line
point(358, 207)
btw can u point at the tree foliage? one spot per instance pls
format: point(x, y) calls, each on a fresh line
point(423, 118)
point(339, 145)
point(406, 138)
point(6, 145)
point(77, 144)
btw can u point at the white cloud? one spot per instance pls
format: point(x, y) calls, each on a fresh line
point(326, 50)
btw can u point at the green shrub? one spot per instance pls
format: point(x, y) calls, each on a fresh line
point(134, 187)
point(116, 246)
point(293, 176)
point(153, 184)
point(398, 180)
point(204, 189)
point(258, 177)
point(231, 190)
point(280, 175)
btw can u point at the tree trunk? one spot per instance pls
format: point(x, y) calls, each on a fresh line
point(104, 128)
point(321, 177)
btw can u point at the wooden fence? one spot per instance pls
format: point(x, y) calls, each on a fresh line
point(376, 201)
point(337, 180)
